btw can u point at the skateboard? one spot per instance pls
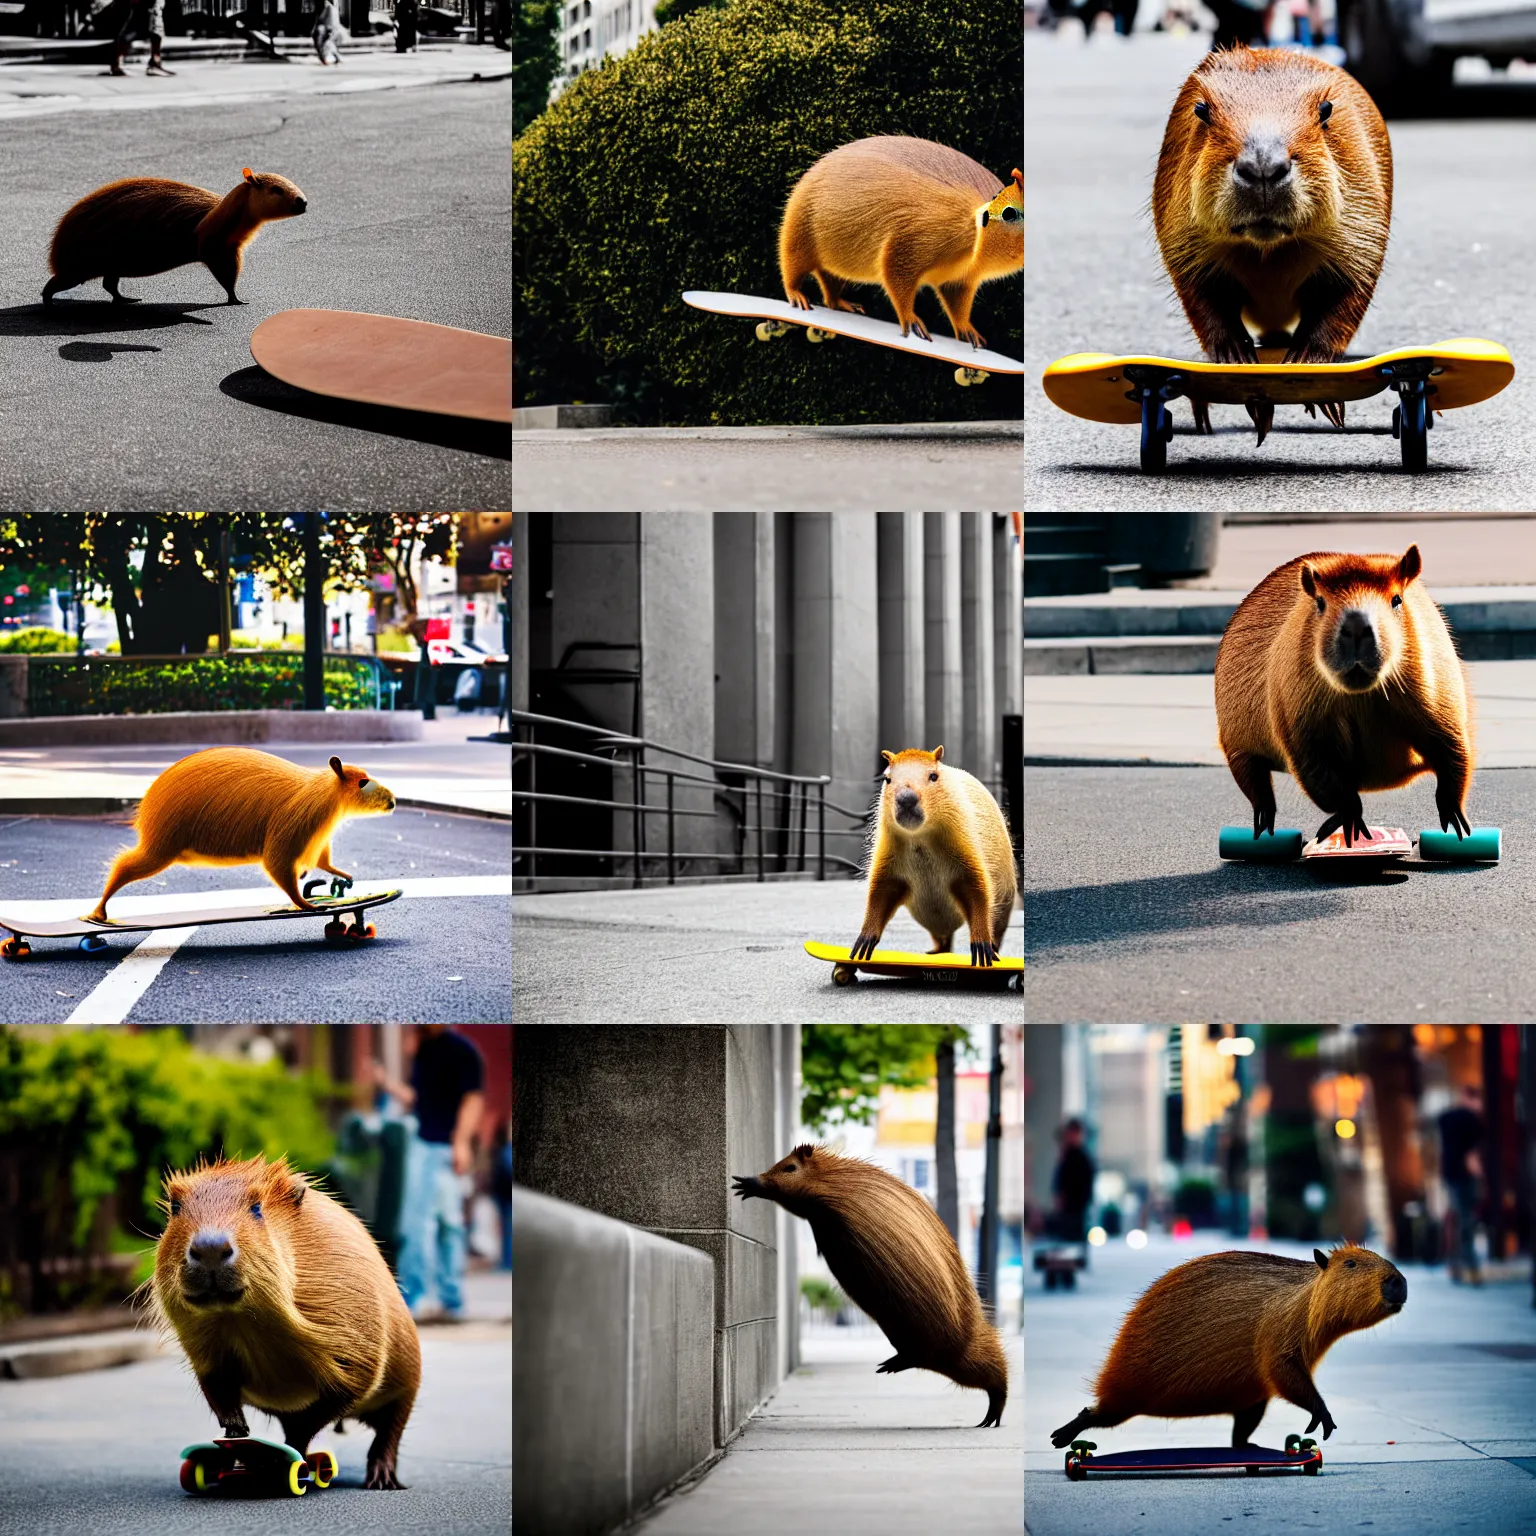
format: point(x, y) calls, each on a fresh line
point(1099, 386)
point(952, 970)
point(820, 324)
point(92, 934)
point(1299, 1455)
point(1480, 845)
point(410, 365)
point(254, 1465)
point(1059, 1262)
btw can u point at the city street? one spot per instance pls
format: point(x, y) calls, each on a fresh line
point(99, 1451)
point(440, 953)
point(1432, 1407)
point(840, 1448)
point(1456, 266)
point(159, 406)
point(1133, 917)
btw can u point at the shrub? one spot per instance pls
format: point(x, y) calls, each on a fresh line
point(268, 680)
point(38, 641)
point(668, 167)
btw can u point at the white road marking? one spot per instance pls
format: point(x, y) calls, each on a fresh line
point(113, 999)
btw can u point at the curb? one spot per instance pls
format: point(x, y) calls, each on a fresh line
point(66, 1357)
point(1120, 654)
point(213, 728)
point(455, 810)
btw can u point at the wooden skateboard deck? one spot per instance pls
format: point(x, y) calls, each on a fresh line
point(1130, 389)
point(92, 933)
point(409, 365)
point(952, 969)
point(1299, 1455)
point(822, 323)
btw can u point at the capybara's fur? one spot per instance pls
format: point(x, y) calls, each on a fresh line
point(1227, 1332)
point(892, 1255)
point(235, 805)
point(941, 849)
point(1340, 670)
point(1272, 205)
point(281, 1299)
point(905, 213)
point(145, 225)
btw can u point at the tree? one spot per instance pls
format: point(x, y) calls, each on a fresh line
point(844, 1066)
point(535, 58)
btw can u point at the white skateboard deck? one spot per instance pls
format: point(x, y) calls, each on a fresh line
point(883, 333)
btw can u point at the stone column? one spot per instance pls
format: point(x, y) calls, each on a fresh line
point(902, 675)
point(944, 702)
point(978, 705)
point(1007, 616)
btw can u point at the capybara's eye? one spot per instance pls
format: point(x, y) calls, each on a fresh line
point(1322, 606)
point(362, 781)
point(933, 778)
point(789, 1167)
point(1325, 111)
point(175, 1207)
point(256, 1209)
point(1397, 599)
point(1203, 111)
point(1349, 1264)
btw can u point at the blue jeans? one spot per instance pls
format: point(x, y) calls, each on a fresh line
point(1464, 1203)
point(432, 1221)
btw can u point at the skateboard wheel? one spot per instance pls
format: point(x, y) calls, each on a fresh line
point(815, 333)
point(191, 1476)
point(842, 975)
point(335, 931)
point(370, 932)
point(1481, 843)
point(1292, 1444)
point(1306, 1445)
point(15, 949)
point(1270, 848)
point(93, 944)
point(298, 1477)
point(323, 1466)
point(1075, 1467)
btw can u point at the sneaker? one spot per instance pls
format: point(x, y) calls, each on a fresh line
point(158, 69)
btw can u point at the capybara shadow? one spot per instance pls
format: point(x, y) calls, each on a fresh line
point(95, 317)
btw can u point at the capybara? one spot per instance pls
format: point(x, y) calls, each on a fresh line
point(1226, 1332)
point(235, 805)
point(281, 1299)
point(145, 225)
point(941, 849)
point(1340, 670)
point(892, 1255)
point(1272, 205)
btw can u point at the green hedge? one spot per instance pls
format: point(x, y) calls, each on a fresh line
point(265, 680)
point(668, 168)
point(36, 641)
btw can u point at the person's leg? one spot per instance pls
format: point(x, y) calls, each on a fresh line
point(416, 1215)
point(124, 39)
point(156, 38)
point(1466, 1221)
point(452, 1238)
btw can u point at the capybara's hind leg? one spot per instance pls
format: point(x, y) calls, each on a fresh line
point(225, 266)
point(1255, 778)
point(130, 865)
point(1089, 1418)
point(1244, 1422)
point(57, 285)
point(995, 1401)
point(894, 1364)
point(943, 943)
point(832, 289)
point(285, 876)
point(323, 861)
point(389, 1422)
point(110, 284)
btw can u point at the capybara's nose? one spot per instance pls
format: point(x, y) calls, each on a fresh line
point(906, 801)
point(1264, 162)
point(1357, 641)
point(210, 1251)
point(299, 205)
point(1394, 1289)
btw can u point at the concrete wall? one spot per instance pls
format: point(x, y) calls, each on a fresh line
point(978, 713)
point(595, 575)
point(611, 1392)
point(745, 653)
point(943, 691)
point(902, 672)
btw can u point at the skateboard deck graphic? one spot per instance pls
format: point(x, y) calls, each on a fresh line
point(1131, 389)
point(822, 323)
point(1300, 1455)
point(92, 934)
point(251, 1464)
point(1480, 845)
point(952, 970)
point(409, 365)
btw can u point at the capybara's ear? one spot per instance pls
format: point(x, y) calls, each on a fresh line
point(1321, 1257)
point(890, 757)
point(1308, 581)
point(249, 174)
point(1018, 176)
point(938, 754)
point(1410, 565)
point(337, 768)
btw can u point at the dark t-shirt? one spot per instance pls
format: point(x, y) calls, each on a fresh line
point(447, 1067)
point(1074, 1179)
point(1461, 1129)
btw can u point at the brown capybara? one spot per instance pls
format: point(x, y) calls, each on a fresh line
point(1272, 205)
point(892, 1255)
point(1227, 1332)
point(281, 1299)
point(1340, 670)
point(235, 805)
point(145, 225)
point(905, 213)
point(940, 848)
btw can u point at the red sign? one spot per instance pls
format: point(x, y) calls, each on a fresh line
point(438, 629)
point(501, 557)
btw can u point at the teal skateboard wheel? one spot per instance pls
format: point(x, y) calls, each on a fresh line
point(1269, 847)
point(1481, 843)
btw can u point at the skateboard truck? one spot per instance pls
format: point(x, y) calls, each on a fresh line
point(1154, 389)
point(1413, 416)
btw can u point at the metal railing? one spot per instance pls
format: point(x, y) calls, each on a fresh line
point(785, 792)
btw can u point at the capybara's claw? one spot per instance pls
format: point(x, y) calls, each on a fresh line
point(1263, 821)
point(382, 1475)
point(983, 952)
point(864, 946)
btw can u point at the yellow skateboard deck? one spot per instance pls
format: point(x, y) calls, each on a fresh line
point(1130, 389)
point(953, 969)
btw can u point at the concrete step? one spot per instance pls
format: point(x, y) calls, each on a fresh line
point(1051, 574)
point(1096, 656)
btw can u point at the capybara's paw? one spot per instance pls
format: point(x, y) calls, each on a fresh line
point(381, 1474)
point(1201, 411)
point(983, 952)
point(971, 334)
point(1263, 820)
point(864, 946)
point(236, 1428)
point(1352, 822)
point(1234, 349)
point(1452, 818)
point(1263, 414)
point(1334, 411)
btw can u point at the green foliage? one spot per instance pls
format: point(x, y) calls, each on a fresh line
point(675, 10)
point(668, 167)
point(821, 1294)
point(844, 1066)
point(535, 57)
point(37, 641)
point(100, 1111)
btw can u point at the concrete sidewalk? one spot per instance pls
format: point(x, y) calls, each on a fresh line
point(32, 87)
point(840, 1449)
point(1172, 719)
point(454, 767)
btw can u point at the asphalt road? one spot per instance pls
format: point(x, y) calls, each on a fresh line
point(437, 957)
point(1132, 917)
point(710, 954)
point(159, 407)
point(100, 1451)
point(1464, 194)
point(1432, 1407)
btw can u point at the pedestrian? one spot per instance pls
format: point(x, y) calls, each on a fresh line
point(327, 33)
point(1461, 1133)
point(426, 677)
point(145, 17)
point(446, 1094)
point(501, 1188)
point(407, 13)
point(501, 26)
point(1239, 23)
point(1072, 1184)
